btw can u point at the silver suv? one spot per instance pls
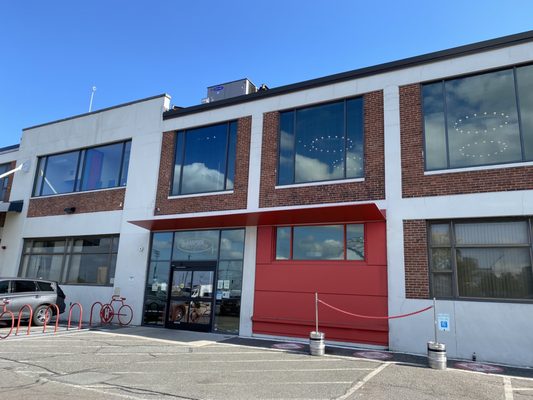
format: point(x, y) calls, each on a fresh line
point(39, 294)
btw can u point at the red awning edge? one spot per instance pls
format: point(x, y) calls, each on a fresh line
point(293, 216)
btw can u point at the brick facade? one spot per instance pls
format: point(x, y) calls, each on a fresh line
point(416, 259)
point(372, 188)
point(85, 202)
point(416, 184)
point(232, 201)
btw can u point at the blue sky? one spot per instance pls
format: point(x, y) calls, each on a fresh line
point(53, 52)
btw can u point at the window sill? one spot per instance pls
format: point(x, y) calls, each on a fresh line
point(86, 284)
point(320, 183)
point(485, 300)
point(479, 168)
point(75, 193)
point(185, 196)
point(304, 263)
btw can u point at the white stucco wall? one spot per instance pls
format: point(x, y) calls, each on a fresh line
point(7, 156)
point(142, 123)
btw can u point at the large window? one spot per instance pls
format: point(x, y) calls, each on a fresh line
point(99, 167)
point(321, 143)
point(481, 259)
point(87, 260)
point(4, 181)
point(479, 120)
point(323, 242)
point(205, 159)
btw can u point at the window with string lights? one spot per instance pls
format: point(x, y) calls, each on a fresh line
point(321, 143)
point(479, 120)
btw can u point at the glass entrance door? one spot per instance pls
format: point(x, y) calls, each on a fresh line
point(191, 296)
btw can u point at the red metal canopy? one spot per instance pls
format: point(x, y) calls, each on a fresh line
point(295, 216)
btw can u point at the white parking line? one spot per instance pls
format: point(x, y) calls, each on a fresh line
point(507, 388)
point(243, 371)
point(360, 384)
point(277, 383)
point(233, 361)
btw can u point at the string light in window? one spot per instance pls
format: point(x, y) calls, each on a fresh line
point(334, 145)
point(483, 128)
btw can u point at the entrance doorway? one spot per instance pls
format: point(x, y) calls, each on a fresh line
point(191, 297)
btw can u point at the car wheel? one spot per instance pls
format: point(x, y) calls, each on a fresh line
point(39, 315)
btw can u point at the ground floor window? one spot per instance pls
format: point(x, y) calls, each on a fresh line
point(485, 259)
point(194, 280)
point(87, 260)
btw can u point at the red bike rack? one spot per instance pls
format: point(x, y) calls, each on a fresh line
point(20, 317)
point(5, 311)
point(70, 315)
point(47, 313)
point(91, 314)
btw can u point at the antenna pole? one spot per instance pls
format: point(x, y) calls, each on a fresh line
point(92, 96)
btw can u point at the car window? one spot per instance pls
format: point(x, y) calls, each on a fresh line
point(4, 286)
point(24, 286)
point(45, 286)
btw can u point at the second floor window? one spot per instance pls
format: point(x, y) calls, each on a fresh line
point(4, 181)
point(321, 143)
point(479, 120)
point(94, 168)
point(205, 159)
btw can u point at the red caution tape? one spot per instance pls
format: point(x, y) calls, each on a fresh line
point(371, 317)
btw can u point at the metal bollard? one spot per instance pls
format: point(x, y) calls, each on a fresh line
point(437, 355)
point(316, 343)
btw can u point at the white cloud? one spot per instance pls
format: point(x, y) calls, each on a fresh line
point(311, 169)
point(198, 178)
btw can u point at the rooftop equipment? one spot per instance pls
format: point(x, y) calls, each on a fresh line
point(228, 90)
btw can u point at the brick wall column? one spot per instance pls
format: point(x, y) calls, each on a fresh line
point(416, 259)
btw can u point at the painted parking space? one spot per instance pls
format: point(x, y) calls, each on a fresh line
point(97, 365)
point(113, 365)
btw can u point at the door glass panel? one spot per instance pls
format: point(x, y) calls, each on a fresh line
point(178, 311)
point(202, 284)
point(200, 312)
point(181, 284)
point(197, 288)
point(4, 286)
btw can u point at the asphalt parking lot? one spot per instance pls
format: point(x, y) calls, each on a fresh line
point(147, 363)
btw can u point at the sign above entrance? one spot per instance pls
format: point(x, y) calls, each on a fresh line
point(194, 245)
